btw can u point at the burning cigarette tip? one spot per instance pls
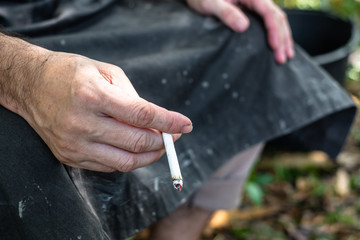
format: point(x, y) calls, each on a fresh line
point(178, 184)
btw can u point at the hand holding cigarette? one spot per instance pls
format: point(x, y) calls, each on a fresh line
point(173, 161)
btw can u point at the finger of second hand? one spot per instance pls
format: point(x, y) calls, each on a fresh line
point(287, 39)
point(290, 45)
point(280, 56)
point(278, 33)
point(280, 46)
point(277, 46)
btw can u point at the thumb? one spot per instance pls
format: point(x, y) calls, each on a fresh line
point(141, 113)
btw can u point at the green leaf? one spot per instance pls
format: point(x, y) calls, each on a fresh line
point(255, 193)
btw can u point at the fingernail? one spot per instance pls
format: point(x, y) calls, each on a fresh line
point(187, 128)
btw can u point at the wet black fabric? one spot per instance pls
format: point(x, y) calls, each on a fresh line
point(38, 199)
point(227, 83)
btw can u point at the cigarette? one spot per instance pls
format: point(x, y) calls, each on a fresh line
point(173, 161)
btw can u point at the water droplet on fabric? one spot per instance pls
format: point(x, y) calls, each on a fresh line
point(205, 84)
point(186, 163)
point(210, 151)
point(62, 42)
point(235, 94)
point(21, 208)
point(282, 124)
point(156, 184)
point(225, 75)
point(147, 6)
point(227, 86)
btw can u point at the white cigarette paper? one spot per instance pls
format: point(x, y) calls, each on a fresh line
point(173, 161)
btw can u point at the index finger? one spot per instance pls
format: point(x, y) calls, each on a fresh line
point(138, 112)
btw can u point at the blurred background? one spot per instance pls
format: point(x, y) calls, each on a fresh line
point(307, 196)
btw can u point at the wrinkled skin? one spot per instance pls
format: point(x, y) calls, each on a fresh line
point(86, 111)
point(90, 123)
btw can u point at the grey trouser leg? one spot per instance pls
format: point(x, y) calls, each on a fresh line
point(223, 190)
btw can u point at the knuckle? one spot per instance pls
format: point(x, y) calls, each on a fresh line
point(127, 163)
point(140, 142)
point(85, 94)
point(172, 125)
point(143, 114)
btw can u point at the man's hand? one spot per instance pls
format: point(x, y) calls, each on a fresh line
point(228, 11)
point(88, 112)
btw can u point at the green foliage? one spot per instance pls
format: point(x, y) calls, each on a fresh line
point(254, 188)
point(344, 8)
point(320, 188)
point(284, 174)
point(263, 179)
point(258, 231)
point(291, 174)
point(355, 181)
point(355, 133)
point(353, 73)
point(255, 193)
point(338, 217)
point(357, 207)
point(241, 233)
